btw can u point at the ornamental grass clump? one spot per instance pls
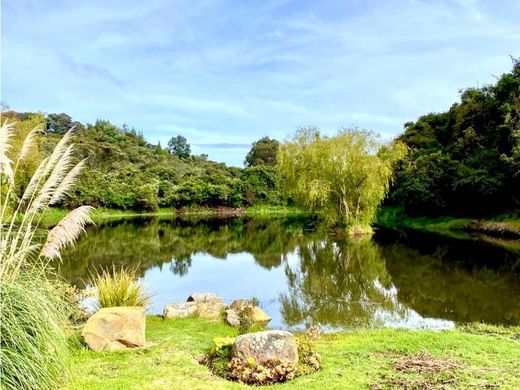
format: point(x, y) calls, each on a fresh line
point(120, 288)
point(34, 314)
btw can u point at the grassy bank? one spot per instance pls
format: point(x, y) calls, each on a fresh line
point(471, 357)
point(54, 215)
point(502, 225)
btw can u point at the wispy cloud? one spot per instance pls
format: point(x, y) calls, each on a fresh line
point(225, 73)
point(87, 70)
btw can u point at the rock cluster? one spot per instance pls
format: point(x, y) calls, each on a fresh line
point(203, 305)
point(208, 305)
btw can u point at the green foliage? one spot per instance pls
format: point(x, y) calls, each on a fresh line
point(245, 320)
point(263, 152)
point(125, 172)
point(60, 123)
point(34, 348)
point(119, 288)
point(179, 146)
point(465, 161)
point(344, 178)
point(252, 373)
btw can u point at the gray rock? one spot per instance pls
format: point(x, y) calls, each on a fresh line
point(240, 304)
point(115, 328)
point(180, 310)
point(258, 315)
point(204, 297)
point(211, 309)
point(267, 345)
point(232, 317)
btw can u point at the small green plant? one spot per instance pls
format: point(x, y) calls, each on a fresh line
point(120, 287)
point(309, 361)
point(219, 355)
point(245, 320)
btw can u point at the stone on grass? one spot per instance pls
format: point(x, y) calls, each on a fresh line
point(260, 317)
point(232, 317)
point(204, 298)
point(240, 304)
point(212, 309)
point(115, 328)
point(267, 346)
point(203, 305)
point(180, 310)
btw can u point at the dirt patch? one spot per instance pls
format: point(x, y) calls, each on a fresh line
point(423, 362)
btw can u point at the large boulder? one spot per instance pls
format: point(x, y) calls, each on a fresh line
point(115, 328)
point(180, 310)
point(267, 346)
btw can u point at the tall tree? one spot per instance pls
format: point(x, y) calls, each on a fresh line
point(343, 178)
point(179, 145)
point(60, 123)
point(263, 152)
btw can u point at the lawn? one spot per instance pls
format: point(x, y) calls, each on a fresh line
point(471, 357)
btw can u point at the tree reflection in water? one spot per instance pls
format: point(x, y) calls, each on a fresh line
point(317, 277)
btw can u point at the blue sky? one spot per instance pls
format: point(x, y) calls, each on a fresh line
point(225, 73)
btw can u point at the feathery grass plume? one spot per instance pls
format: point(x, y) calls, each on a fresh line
point(6, 133)
point(34, 324)
point(120, 288)
point(66, 232)
point(67, 182)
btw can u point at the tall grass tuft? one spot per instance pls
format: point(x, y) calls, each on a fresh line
point(120, 288)
point(34, 315)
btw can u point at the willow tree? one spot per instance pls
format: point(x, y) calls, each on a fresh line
point(343, 178)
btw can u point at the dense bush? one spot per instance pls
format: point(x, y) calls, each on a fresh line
point(465, 160)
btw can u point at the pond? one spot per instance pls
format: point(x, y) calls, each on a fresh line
point(304, 275)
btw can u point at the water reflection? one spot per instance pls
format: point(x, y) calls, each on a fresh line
point(302, 275)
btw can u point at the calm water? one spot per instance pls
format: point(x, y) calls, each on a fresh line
point(302, 275)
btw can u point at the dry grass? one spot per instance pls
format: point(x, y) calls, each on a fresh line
point(423, 362)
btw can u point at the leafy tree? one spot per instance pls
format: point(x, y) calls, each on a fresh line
point(344, 178)
point(263, 152)
point(465, 161)
point(179, 146)
point(60, 123)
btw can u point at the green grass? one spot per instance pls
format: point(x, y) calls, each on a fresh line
point(54, 215)
point(394, 217)
point(487, 355)
point(268, 211)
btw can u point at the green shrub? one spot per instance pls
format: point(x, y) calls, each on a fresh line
point(33, 333)
point(120, 288)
